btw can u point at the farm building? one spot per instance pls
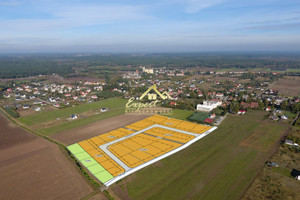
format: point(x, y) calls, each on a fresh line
point(73, 116)
point(268, 109)
point(241, 112)
point(295, 173)
point(289, 142)
point(26, 106)
point(272, 164)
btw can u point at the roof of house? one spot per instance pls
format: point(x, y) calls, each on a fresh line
point(254, 105)
point(208, 120)
point(245, 105)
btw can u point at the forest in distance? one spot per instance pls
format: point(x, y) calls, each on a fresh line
point(25, 65)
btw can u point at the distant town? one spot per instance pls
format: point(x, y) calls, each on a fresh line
point(211, 92)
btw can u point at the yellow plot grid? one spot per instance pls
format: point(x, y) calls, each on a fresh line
point(111, 136)
point(91, 146)
point(169, 122)
point(141, 148)
point(171, 135)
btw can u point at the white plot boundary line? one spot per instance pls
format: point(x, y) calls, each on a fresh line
point(129, 170)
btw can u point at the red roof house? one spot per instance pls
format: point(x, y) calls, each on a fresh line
point(208, 120)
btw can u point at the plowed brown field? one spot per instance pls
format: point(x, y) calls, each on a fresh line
point(34, 168)
point(287, 86)
point(85, 132)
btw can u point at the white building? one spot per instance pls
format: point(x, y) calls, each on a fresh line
point(148, 71)
point(208, 106)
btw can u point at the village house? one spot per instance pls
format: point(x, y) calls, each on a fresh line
point(241, 112)
point(245, 105)
point(253, 105)
point(219, 95)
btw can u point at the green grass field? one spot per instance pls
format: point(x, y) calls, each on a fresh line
point(180, 114)
point(219, 166)
point(199, 116)
point(12, 112)
point(80, 122)
point(115, 103)
point(283, 171)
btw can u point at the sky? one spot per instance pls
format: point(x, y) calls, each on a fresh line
point(149, 26)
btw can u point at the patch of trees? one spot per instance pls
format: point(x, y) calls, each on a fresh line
point(29, 65)
point(11, 111)
point(108, 94)
point(24, 67)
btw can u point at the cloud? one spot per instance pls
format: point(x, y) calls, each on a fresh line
point(194, 6)
point(102, 14)
point(276, 21)
point(273, 27)
point(73, 17)
point(10, 3)
point(160, 24)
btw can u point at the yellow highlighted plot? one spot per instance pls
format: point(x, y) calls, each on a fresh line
point(178, 124)
point(131, 161)
point(140, 125)
point(171, 135)
point(141, 148)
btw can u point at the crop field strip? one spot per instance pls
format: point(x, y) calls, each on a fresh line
point(131, 147)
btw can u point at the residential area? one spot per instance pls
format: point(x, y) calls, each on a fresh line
point(210, 94)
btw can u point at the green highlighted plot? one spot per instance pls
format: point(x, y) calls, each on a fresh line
point(83, 156)
point(96, 169)
point(92, 165)
point(104, 176)
point(75, 148)
point(89, 162)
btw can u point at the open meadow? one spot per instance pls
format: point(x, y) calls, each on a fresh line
point(287, 86)
point(55, 121)
point(66, 112)
point(220, 166)
point(277, 183)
